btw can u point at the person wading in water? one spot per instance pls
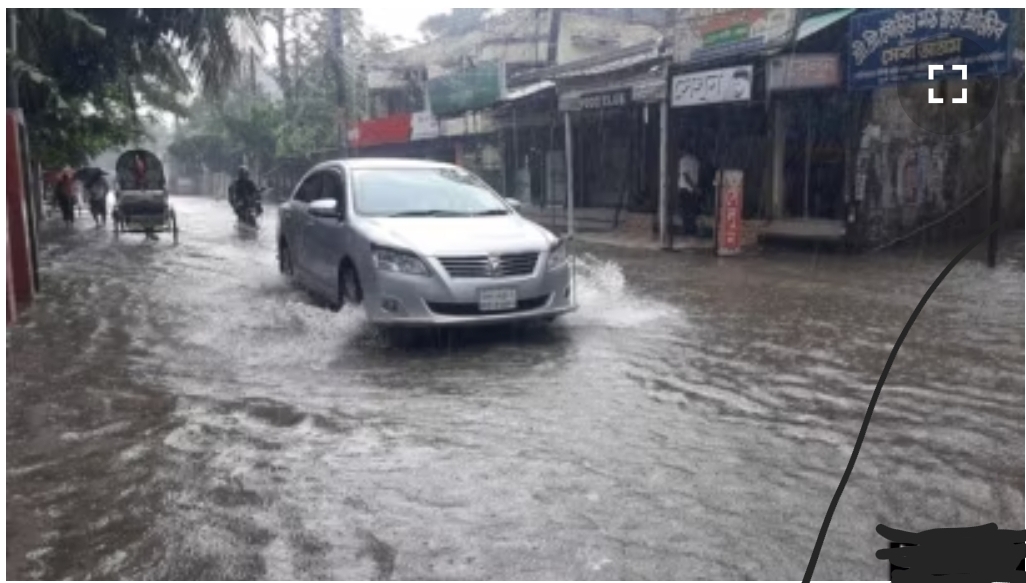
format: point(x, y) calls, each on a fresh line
point(66, 196)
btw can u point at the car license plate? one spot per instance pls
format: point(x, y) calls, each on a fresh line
point(497, 300)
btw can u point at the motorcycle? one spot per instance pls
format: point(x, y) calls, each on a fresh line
point(248, 211)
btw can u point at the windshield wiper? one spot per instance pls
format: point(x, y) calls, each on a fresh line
point(431, 213)
point(490, 213)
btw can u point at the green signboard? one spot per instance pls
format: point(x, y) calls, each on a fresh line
point(472, 89)
point(727, 35)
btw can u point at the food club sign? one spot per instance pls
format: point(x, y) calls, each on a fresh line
point(619, 98)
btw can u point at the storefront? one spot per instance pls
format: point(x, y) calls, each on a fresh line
point(474, 142)
point(920, 166)
point(616, 138)
point(719, 117)
point(718, 102)
point(810, 122)
point(604, 141)
point(426, 141)
point(531, 134)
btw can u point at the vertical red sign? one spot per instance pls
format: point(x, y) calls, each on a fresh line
point(728, 232)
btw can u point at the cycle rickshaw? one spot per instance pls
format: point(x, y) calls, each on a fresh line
point(142, 204)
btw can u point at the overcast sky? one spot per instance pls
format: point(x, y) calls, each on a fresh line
point(388, 19)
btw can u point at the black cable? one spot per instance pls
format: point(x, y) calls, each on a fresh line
point(876, 395)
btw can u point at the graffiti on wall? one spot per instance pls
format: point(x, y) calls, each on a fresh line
point(920, 175)
point(900, 181)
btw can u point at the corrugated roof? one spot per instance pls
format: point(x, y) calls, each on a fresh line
point(611, 61)
point(603, 68)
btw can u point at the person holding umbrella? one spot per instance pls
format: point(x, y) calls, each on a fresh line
point(95, 184)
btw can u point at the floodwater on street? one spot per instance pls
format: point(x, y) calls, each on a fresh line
point(182, 412)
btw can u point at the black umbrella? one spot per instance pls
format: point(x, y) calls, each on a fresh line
point(89, 174)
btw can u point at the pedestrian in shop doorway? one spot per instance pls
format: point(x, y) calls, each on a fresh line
point(687, 188)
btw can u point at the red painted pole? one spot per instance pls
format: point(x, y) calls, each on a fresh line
point(12, 306)
point(20, 261)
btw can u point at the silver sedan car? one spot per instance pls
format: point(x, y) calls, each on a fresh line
point(419, 243)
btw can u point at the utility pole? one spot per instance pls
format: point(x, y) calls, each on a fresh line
point(996, 157)
point(665, 237)
point(338, 60)
point(569, 139)
point(252, 71)
point(555, 23)
point(248, 157)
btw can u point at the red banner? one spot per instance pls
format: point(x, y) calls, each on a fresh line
point(394, 129)
point(728, 232)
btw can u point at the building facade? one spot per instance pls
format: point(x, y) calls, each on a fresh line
point(805, 110)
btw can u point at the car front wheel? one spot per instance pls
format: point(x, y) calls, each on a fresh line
point(285, 260)
point(349, 285)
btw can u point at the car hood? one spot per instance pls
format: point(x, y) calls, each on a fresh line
point(438, 236)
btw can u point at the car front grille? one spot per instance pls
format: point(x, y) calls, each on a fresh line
point(451, 309)
point(480, 266)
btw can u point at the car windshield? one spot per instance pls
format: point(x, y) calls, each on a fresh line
point(423, 192)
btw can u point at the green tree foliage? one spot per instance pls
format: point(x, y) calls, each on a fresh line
point(248, 125)
point(85, 77)
point(456, 22)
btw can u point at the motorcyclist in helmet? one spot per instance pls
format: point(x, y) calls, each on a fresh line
point(243, 191)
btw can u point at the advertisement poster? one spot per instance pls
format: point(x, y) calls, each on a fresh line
point(890, 47)
point(711, 33)
point(810, 71)
point(728, 231)
point(394, 129)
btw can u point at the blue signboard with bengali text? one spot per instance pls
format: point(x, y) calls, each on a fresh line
point(895, 46)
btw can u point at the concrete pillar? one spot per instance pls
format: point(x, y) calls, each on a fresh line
point(664, 175)
point(776, 207)
point(569, 174)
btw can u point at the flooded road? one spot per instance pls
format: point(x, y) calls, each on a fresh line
point(181, 412)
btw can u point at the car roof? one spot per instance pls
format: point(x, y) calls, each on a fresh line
point(385, 163)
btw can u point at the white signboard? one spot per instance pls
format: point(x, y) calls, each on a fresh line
point(480, 122)
point(717, 86)
point(423, 126)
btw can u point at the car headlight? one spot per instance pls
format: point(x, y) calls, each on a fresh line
point(386, 259)
point(557, 255)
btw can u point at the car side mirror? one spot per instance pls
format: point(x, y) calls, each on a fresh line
point(325, 208)
point(513, 203)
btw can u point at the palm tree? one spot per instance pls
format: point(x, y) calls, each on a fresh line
point(83, 75)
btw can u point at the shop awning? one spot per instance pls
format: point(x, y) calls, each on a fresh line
point(811, 26)
point(527, 91)
point(607, 62)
